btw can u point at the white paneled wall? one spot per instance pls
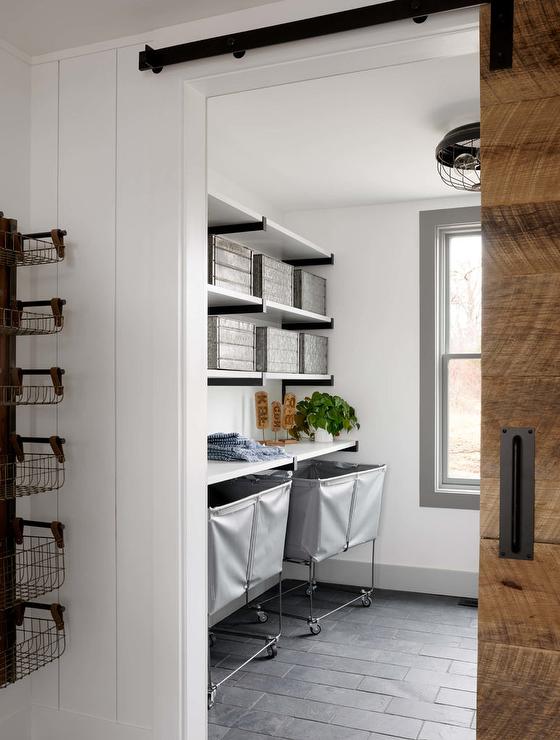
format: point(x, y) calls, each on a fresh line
point(15, 80)
point(96, 173)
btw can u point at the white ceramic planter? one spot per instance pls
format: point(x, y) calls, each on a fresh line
point(321, 435)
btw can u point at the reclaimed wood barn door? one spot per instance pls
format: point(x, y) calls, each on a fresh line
point(519, 632)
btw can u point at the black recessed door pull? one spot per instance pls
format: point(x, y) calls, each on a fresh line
point(517, 493)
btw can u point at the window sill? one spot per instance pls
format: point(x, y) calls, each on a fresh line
point(450, 498)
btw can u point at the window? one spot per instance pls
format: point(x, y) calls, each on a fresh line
point(450, 328)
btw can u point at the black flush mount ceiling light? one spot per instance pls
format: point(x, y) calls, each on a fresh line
point(458, 158)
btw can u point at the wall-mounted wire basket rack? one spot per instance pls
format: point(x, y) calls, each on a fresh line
point(18, 321)
point(18, 394)
point(32, 472)
point(36, 566)
point(31, 249)
point(38, 642)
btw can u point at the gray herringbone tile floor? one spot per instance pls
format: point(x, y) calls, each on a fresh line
point(403, 669)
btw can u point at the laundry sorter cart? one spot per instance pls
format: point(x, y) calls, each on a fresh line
point(333, 506)
point(247, 520)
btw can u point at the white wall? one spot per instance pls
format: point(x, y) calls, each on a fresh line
point(15, 82)
point(374, 353)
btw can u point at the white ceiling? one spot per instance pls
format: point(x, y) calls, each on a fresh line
point(41, 26)
point(354, 139)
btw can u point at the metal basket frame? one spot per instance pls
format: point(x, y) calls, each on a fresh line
point(38, 642)
point(18, 394)
point(17, 321)
point(32, 249)
point(36, 567)
point(31, 472)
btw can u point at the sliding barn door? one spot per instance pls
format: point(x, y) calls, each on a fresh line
point(519, 653)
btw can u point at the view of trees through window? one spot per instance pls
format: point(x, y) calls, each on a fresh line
point(462, 357)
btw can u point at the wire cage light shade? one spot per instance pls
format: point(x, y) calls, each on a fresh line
point(458, 158)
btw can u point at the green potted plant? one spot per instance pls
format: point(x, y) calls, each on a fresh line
point(322, 414)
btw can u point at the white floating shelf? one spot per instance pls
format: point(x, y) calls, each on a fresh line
point(297, 377)
point(276, 240)
point(237, 377)
point(223, 298)
point(235, 374)
point(292, 315)
point(218, 296)
point(222, 471)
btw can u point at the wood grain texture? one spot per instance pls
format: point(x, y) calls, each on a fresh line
point(536, 54)
point(520, 152)
point(521, 402)
point(521, 326)
point(547, 510)
point(519, 599)
point(518, 693)
point(521, 240)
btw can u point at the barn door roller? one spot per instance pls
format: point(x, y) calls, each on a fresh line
point(501, 31)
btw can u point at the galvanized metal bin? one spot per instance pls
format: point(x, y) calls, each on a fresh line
point(230, 265)
point(273, 280)
point(231, 344)
point(277, 350)
point(333, 506)
point(313, 354)
point(310, 292)
point(247, 519)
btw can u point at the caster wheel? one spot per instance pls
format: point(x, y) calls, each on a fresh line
point(262, 617)
point(272, 651)
point(366, 601)
point(314, 628)
point(211, 639)
point(211, 698)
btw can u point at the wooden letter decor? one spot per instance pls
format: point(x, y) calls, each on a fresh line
point(261, 410)
point(519, 614)
point(276, 417)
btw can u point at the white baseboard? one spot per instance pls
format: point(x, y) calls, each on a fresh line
point(17, 726)
point(51, 724)
point(392, 577)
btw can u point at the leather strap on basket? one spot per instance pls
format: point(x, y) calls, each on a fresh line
point(56, 307)
point(17, 445)
point(58, 241)
point(56, 377)
point(57, 530)
point(56, 445)
point(17, 380)
point(56, 613)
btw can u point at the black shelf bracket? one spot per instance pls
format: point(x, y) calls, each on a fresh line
point(236, 381)
point(311, 261)
point(238, 228)
point(238, 44)
point(308, 326)
point(305, 382)
point(240, 308)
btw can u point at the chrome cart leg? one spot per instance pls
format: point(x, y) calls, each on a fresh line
point(368, 594)
point(314, 626)
point(212, 688)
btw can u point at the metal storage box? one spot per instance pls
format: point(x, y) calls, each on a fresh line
point(310, 292)
point(230, 265)
point(247, 520)
point(273, 280)
point(313, 354)
point(277, 350)
point(231, 344)
point(333, 506)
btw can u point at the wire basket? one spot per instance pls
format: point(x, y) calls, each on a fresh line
point(31, 472)
point(36, 567)
point(38, 642)
point(31, 249)
point(18, 394)
point(18, 321)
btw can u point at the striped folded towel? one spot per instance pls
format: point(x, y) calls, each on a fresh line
point(233, 446)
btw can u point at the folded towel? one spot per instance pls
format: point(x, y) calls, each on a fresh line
point(233, 446)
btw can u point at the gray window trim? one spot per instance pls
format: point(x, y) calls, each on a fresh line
point(459, 496)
